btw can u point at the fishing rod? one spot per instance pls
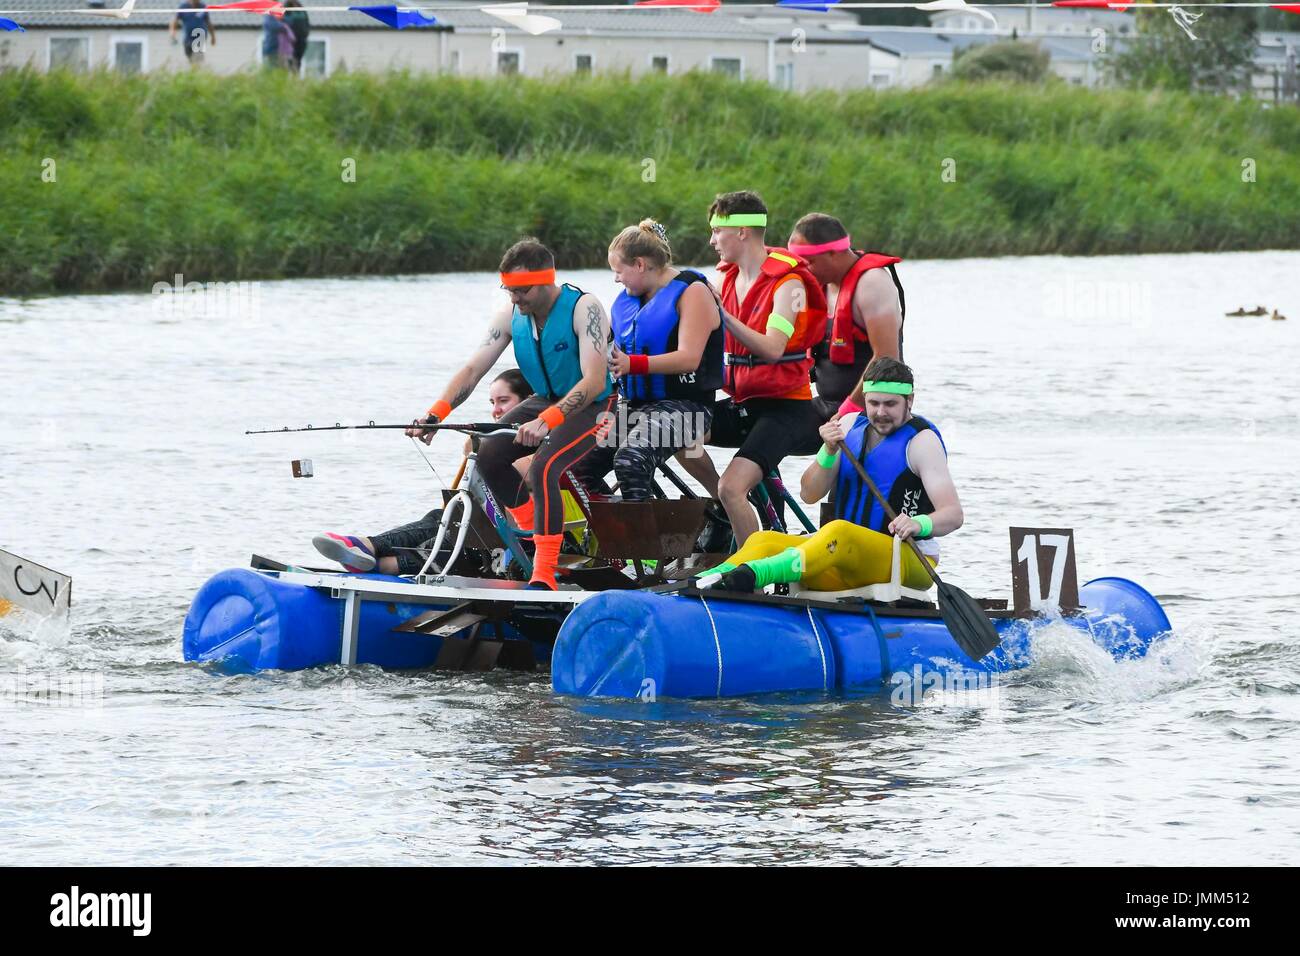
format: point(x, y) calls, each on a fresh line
point(469, 428)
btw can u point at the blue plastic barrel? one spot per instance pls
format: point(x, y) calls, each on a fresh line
point(636, 643)
point(254, 621)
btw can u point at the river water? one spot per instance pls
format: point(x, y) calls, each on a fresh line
point(1109, 395)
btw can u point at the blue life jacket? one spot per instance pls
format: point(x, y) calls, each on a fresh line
point(552, 366)
point(650, 328)
point(887, 466)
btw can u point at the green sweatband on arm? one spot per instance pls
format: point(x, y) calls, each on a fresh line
point(827, 458)
point(927, 525)
point(779, 322)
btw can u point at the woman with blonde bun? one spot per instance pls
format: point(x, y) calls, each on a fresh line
point(667, 353)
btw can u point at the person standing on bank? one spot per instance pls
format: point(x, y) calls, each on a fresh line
point(196, 30)
point(295, 17)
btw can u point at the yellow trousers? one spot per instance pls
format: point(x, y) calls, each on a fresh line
point(840, 556)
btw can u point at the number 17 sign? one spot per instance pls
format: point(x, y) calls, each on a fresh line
point(1043, 576)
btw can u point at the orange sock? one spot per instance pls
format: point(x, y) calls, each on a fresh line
point(546, 555)
point(523, 515)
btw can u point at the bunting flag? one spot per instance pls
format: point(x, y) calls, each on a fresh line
point(822, 7)
point(1185, 19)
point(1097, 4)
point(517, 15)
point(1288, 7)
point(956, 5)
point(274, 7)
point(397, 19)
point(708, 6)
point(10, 26)
point(123, 13)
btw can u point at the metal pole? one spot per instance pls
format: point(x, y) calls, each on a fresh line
point(1289, 86)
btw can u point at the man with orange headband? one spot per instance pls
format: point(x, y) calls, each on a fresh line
point(561, 337)
point(866, 305)
point(774, 311)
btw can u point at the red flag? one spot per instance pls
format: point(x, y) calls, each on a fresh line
point(1098, 4)
point(708, 6)
point(1288, 7)
point(274, 7)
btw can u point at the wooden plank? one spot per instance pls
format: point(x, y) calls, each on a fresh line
point(448, 622)
point(649, 530)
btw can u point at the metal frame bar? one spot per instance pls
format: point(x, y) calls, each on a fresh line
point(353, 591)
point(351, 628)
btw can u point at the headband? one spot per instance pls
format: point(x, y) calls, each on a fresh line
point(811, 249)
point(515, 280)
point(892, 388)
point(738, 219)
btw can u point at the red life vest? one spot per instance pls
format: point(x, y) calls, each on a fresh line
point(750, 377)
point(843, 330)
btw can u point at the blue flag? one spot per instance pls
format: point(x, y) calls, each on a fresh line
point(10, 26)
point(395, 18)
point(799, 5)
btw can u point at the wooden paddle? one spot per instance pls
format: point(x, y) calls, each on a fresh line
point(969, 626)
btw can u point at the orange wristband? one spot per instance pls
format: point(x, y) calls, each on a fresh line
point(553, 417)
point(440, 410)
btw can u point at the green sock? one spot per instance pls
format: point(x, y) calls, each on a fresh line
point(780, 568)
point(722, 568)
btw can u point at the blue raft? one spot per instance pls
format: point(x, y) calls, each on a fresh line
point(618, 643)
point(637, 643)
point(253, 620)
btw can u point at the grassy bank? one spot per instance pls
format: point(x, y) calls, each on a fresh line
point(241, 177)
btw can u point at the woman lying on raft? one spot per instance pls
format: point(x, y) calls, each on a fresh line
point(400, 551)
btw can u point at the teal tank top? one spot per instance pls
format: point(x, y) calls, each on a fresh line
point(552, 365)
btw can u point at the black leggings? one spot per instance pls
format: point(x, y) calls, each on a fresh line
point(655, 432)
point(401, 542)
point(559, 452)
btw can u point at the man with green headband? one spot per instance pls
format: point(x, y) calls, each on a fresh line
point(905, 456)
point(774, 311)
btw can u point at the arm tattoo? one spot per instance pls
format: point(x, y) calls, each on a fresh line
point(493, 335)
point(594, 329)
point(575, 401)
point(463, 394)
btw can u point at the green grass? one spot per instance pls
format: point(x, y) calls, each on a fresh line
point(240, 176)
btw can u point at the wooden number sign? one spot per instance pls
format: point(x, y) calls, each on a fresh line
point(1043, 575)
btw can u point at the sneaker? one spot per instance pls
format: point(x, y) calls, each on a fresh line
point(346, 550)
point(742, 580)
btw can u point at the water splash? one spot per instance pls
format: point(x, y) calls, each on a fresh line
point(1079, 670)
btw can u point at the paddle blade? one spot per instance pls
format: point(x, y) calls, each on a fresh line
point(969, 626)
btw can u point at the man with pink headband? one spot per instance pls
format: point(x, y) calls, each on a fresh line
point(866, 306)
